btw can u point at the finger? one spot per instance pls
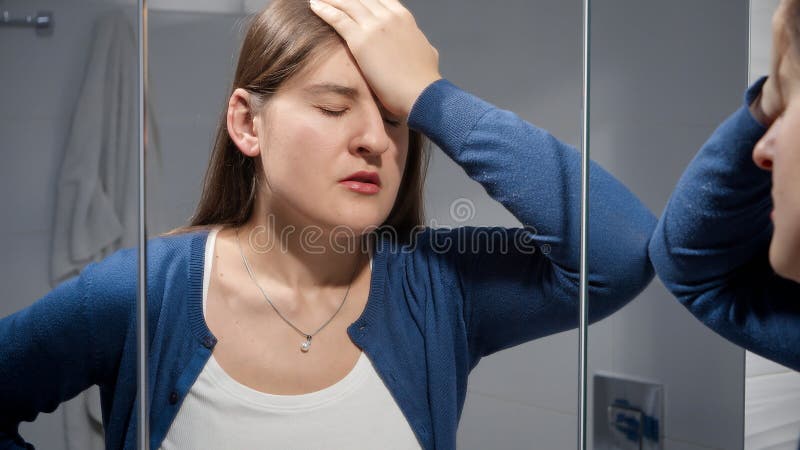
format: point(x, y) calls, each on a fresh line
point(394, 6)
point(353, 8)
point(341, 22)
point(376, 7)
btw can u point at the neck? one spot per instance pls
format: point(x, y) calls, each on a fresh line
point(298, 259)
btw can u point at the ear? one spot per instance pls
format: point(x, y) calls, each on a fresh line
point(241, 122)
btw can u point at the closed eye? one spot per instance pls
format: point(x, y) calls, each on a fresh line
point(392, 122)
point(339, 112)
point(332, 112)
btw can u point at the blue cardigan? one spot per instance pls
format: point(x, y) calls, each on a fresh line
point(435, 306)
point(711, 244)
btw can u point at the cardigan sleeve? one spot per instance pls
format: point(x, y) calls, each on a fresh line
point(530, 288)
point(710, 246)
point(62, 344)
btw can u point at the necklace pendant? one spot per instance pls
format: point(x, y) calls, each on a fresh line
point(306, 345)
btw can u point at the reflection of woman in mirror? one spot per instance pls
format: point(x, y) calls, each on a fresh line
point(728, 243)
point(318, 343)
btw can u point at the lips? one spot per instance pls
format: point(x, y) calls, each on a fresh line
point(364, 177)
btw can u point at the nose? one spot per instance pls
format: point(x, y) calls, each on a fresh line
point(764, 151)
point(371, 136)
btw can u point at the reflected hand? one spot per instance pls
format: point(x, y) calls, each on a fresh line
point(768, 105)
point(393, 54)
point(772, 100)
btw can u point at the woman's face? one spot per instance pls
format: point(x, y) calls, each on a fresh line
point(779, 152)
point(323, 125)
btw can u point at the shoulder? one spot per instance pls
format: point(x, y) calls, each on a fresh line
point(163, 252)
point(169, 258)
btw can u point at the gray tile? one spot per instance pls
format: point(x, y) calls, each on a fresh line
point(542, 373)
point(25, 276)
point(492, 423)
point(32, 153)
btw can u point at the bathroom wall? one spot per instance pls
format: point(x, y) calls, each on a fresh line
point(664, 75)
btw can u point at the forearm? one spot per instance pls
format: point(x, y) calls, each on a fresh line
point(538, 179)
point(717, 218)
point(57, 347)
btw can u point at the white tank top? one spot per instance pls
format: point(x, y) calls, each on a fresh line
point(357, 412)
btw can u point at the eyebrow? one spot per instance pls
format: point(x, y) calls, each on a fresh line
point(323, 88)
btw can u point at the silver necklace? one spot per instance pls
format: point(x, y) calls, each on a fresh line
point(306, 345)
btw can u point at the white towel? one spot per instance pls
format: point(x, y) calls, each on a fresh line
point(97, 194)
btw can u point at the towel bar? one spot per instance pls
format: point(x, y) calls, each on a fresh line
point(42, 20)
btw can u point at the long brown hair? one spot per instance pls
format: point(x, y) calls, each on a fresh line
point(281, 41)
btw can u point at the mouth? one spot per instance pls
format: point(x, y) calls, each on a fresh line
point(364, 177)
point(363, 182)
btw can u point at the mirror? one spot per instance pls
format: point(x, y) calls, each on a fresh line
point(523, 397)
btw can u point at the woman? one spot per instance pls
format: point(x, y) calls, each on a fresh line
point(728, 243)
point(363, 338)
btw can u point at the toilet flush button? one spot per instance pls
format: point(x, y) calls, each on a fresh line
point(628, 413)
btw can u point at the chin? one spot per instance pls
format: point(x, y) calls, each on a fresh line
point(784, 264)
point(793, 275)
point(358, 227)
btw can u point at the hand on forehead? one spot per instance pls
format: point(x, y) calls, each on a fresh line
point(393, 54)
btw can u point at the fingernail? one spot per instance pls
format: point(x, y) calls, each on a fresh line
point(313, 3)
